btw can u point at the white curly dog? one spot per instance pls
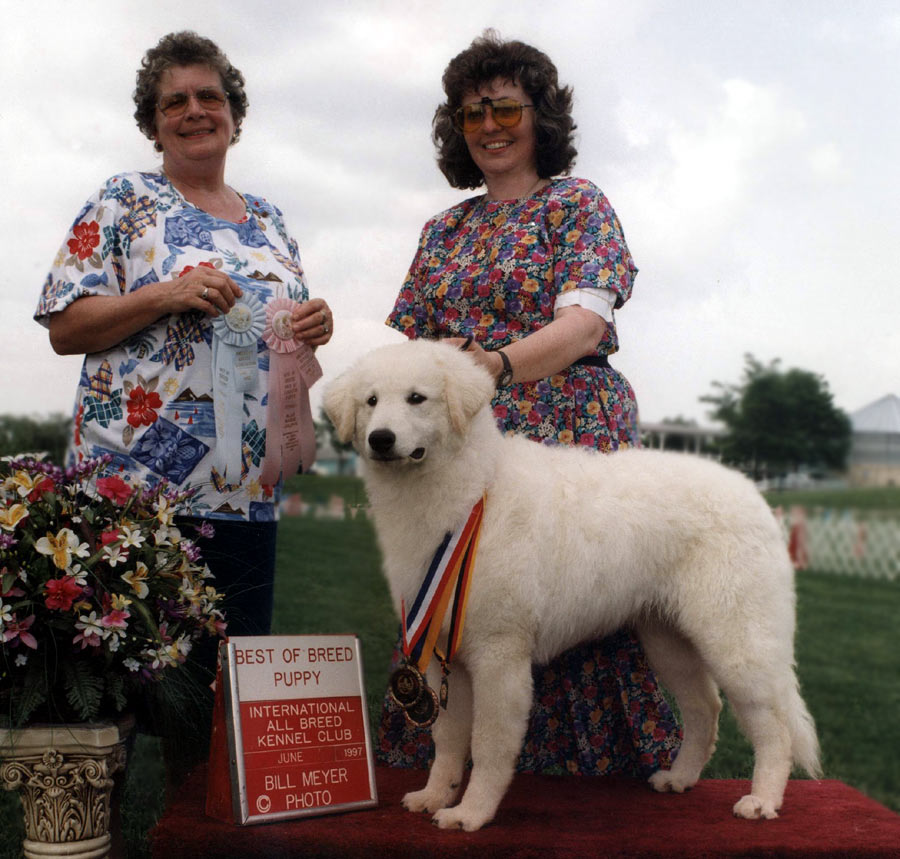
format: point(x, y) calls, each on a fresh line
point(574, 545)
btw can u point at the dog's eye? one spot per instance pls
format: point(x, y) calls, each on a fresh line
point(372, 401)
point(415, 399)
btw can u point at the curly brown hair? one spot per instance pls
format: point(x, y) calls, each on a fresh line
point(185, 49)
point(487, 59)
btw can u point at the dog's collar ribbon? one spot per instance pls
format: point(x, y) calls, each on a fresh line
point(293, 370)
point(449, 573)
point(234, 372)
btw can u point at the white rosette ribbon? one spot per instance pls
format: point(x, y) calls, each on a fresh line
point(293, 370)
point(234, 372)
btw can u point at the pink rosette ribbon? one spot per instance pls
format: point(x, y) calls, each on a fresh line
point(293, 370)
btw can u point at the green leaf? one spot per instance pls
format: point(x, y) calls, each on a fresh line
point(115, 691)
point(84, 690)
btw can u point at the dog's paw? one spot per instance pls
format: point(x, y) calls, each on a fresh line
point(428, 799)
point(751, 807)
point(667, 781)
point(459, 818)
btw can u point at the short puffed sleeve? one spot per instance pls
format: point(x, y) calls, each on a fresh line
point(588, 242)
point(95, 253)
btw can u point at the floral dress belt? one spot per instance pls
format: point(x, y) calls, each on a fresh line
point(592, 361)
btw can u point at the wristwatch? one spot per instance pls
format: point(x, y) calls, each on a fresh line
point(506, 374)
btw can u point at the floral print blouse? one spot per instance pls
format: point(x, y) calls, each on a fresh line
point(493, 270)
point(149, 400)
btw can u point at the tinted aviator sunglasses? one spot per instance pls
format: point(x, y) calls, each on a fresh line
point(507, 113)
point(175, 103)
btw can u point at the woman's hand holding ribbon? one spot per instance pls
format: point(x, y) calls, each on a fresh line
point(313, 322)
point(202, 288)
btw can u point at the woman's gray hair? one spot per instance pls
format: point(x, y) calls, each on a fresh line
point(185, 49)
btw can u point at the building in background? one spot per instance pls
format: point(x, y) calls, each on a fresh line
point(875, 448)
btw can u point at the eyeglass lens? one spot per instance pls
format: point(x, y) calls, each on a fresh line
point(507, 113)
point(174, 103)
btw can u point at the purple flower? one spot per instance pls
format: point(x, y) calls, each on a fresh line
point(191, 551)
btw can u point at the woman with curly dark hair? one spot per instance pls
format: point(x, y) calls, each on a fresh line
point(183, 294)
point(526, 277)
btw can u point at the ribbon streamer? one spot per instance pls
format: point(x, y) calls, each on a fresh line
point(293, 370)
point(449, 574)
point(235, 372)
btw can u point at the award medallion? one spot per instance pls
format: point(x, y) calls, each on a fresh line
point(424, 711)
point(406, 685)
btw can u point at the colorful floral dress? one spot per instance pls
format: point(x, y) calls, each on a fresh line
point(493, 270)
point(148, 401)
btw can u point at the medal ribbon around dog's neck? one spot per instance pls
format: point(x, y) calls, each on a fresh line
point(449, 572)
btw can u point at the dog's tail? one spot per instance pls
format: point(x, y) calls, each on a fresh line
point(804, 741)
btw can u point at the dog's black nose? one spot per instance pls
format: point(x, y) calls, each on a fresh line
point(381, 440)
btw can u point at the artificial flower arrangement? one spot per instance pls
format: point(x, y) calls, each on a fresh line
point(100, 593)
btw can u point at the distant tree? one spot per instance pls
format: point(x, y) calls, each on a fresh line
point(778, 421)
point(325, 431)
point(24, 434)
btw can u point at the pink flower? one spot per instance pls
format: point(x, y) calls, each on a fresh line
point(61, 593)
point(14, 590)
point(116, 618)
point(115, 489)
point(19, 629)
point(108, 537)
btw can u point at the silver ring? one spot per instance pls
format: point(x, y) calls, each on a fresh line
point(324, 317)
point(204, 293)
point(324, 328)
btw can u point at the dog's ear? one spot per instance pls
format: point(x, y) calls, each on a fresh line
point(468, 388)
point(340, 407)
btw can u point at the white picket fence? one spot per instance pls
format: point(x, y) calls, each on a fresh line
point(850, 542)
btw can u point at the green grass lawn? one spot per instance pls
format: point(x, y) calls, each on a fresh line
point(883, 498)
point(329, 581)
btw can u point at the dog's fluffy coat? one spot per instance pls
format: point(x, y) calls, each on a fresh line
point(574, 545)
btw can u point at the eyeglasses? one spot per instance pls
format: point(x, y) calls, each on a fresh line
point(175, 103)
point(507, 113)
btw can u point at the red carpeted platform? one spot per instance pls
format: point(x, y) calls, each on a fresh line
point(553, 816)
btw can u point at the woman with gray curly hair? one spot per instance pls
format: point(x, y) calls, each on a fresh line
point(184, 295)
point(526, 277)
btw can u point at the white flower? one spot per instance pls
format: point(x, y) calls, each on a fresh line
point(5, 614)
point(184, 645)
point(79, 574)
point(115, 555)
point(160, 658)
point(132, 537)
point(92, 633)
point(164, 512)
point(21, 660)
point(116, 636)
point(137, 578)
point(62, 547)
point(131, 664)
point(166, 536)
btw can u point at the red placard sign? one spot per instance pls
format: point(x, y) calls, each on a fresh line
point(298, 731)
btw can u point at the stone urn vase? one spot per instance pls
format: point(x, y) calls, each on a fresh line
point(64, 775)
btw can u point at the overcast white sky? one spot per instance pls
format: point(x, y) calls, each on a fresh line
point(749, 149)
